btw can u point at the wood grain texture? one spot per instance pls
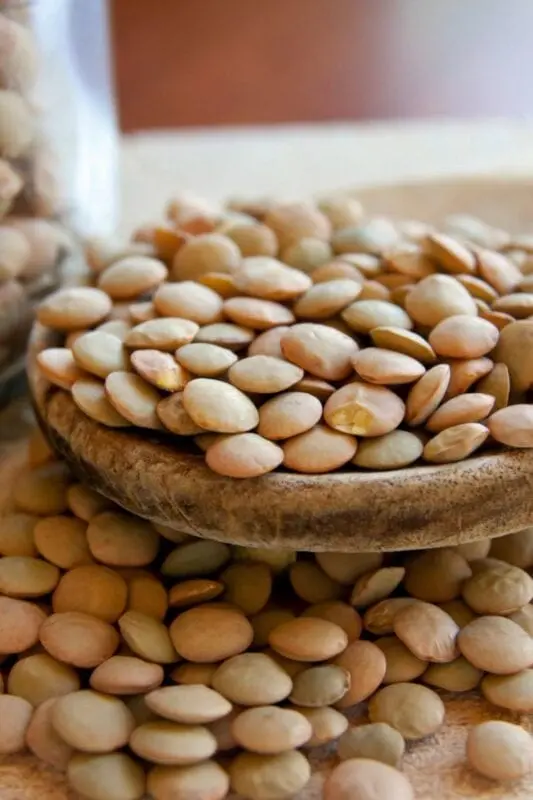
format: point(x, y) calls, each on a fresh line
point(416, 507)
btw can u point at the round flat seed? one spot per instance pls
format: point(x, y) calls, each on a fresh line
point(337, 270)
point(122, 540)
point(373, 290)
point(159, 369)
point(514, 692)
point(252, 679)
point(340, 613)
point(205, 360)
point(318, 388)
point(270, 729)
point(307, 254)
point(512, 426)
point(269, 279)
point(108, 776)
point(15, 716)
point(294, 221)
point(188, 704)
point(265, 621)
point(100, 353)
point(188, 300)
point(220, 407)
point(519, 305)
point(498, 270)
point(58, 366)
point(288, 415)
point(376, 365)
point(379, 619)
point(428, 632)
point(86, 503)
point(515, 548)
point(376, 235)
point(326, 299)
point(164, 333)
point(427, 394)
point(364, 779)
point(243, 455)
point(377, 741)
point(74, 309)
point(312, 584)
point(260, 777)
point(327, 724)
point(115, 327)
point(206, 635)
point(19, 625)
point(463, 336)
point(43, 489)
point(91, 398)
point(497, 384)
point(318, 450)
point(375, 586)
point(437, 576)
point(253, 239)
point(43, 741)
point(268, 343)
point(410, 261)
point(324, 352)
point(195, 558)
point(248, 586)
point(174, 418)
point(394, 450)
point(403, 341)
point(94, 590)
point(197, 590)
point(146, 594)
point(264, 374)
point(365, 315)
point(126, 675)
point(455, 443)
point(437, 297)
point(147, 637)
point(514, 350)
point(413, 710)
point(473, 407)
point(62, 541)
point(451, 255)
point(308, 639)
point(132, 276)
point(402, 665)
point(456, 676)
point(341, 210)
point(208, 252)
point(252, 312)
point(204, 781)
point(92, 722)
point(225, 334)
point(164, 742)
point(498, 589)
point(78, 639)
point(464, 373)
point(24, 576)
point(134, 399)
point(496, 644)
point(347, 567)
point(320, 686)
point(364, 410)
point(500, 750)
point(142, 312)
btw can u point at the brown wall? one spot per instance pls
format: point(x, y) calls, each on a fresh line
point(204, 62)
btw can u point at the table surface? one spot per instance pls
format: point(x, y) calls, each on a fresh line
point(295, 162)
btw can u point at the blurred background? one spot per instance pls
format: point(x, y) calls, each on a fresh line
point(182, 63)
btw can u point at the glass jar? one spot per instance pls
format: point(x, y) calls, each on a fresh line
point(58, 156)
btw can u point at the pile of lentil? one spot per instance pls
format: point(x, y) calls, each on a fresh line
point(139, 659)
point(311, 337)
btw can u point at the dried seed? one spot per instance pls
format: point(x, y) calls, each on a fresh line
point(74, 309)
point(188, 300)
point(402, 665)
point(308, 639)
point(132, 276)
point(365, 315)
point(464, 373)
point(496, 644)
point(394, 450)
point(260, 777)
point(269, 279)
point(92, 589)
point(42, 490)
point(205, 360)
point(92, 722)
point(189, 593)
point(437, 297)
point(513, 425)
point(24, 576)
point(206, 635)
point(366, 665)
point(122, 540)
point(252, 312)
point(225, 334)
point(172, 414)
point(498, 589)
point(252, 679)
point(196, 558)
point(62, 541)
point(78, 639)
point(188, 704)
point(437, 576)
point(15, 716)
point(455, 443)
point(43, 741)
point(159, 369)
point(377, 365)
point(19, 625)
point(58, 366)
point(91, 398)
point(147, 637)
point(341, 614)
point(204, 781)
point(294, 221)
point(375, 586)
point(500, 750)
point(427, 631)
point(320, 686)
point(311, 584)
point(403, 341)
point(264, 374)
point(270, 729)
point(364, 410)
point(462, 336)
point(163, 333)
point(324, 352)
point(347, 567)
point(207, 252)
point(413, 710)
point(515, 548)
point(514, 692)
point(126, 675)
point(456, 676)
point(426, 395)
point(327, 724)
point(451, 255)
point(108, 776)
point(365, 779)
point(379, 619)
point(497, 384)
point(377, 741)
point(376, 235)
point(326, 299)
point(219, 407)
point(318, 450)
point(99, 353)
point(472, 407)
point(85, 503)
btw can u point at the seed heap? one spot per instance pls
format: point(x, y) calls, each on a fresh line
point(30, 243)
point(139, 659)
point(309, 337)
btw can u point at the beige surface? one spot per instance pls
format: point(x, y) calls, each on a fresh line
point(295, 163)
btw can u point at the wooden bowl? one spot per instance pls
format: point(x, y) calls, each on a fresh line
point(426, 506)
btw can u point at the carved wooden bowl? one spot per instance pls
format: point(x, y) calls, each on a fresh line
point(425, 506)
